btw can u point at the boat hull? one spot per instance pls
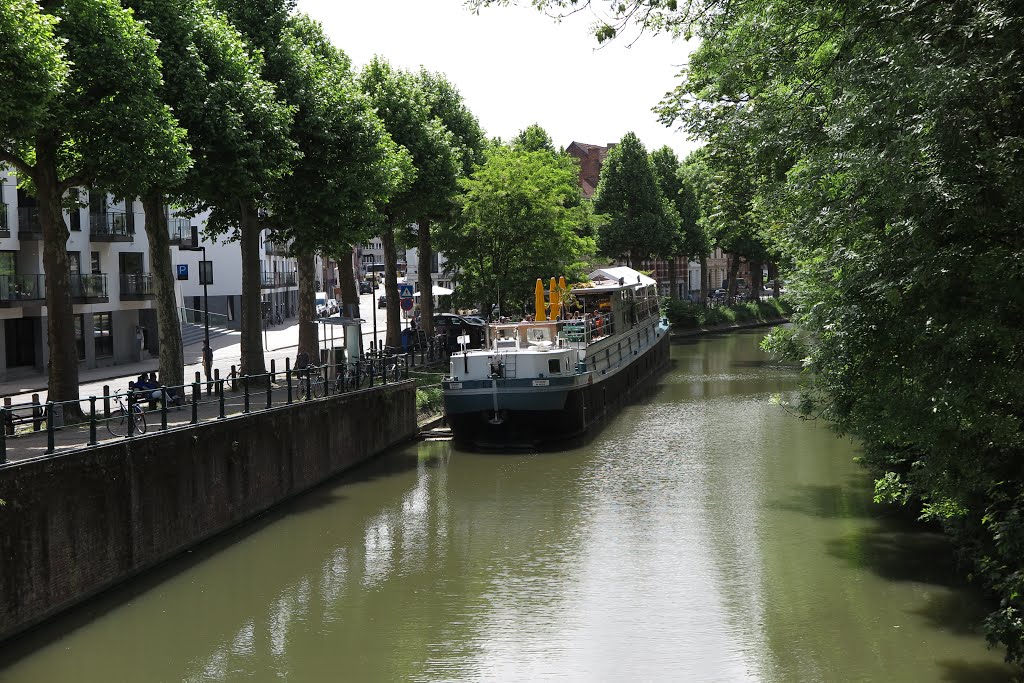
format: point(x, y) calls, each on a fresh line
point(532, 417)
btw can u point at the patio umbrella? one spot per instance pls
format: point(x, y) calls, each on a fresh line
point(553, 313)
point(538, 300)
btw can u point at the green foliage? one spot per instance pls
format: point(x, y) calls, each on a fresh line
point(641, 221)
point(533, 138)
point(429, 400)
point(683, 315)
point(520, 213)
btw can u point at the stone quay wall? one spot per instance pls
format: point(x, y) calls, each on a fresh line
point(78, 523)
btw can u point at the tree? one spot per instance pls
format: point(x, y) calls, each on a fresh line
point(85, 69)
point(688, 239)
point(532, 139)
point(208, 71)
point(437, 180)
point(884, 146)
point(640, 220)
point(349, 167)
point(520, 215)
point(265, 155)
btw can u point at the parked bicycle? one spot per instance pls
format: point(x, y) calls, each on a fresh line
point(123, 421)
point(314, 386)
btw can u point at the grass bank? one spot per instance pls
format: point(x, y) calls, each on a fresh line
point(685, 315)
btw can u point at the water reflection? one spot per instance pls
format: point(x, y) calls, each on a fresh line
point(703, 534)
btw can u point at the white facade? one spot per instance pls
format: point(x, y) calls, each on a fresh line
point(111, 280)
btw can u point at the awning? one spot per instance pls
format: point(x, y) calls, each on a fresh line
point(438, 290)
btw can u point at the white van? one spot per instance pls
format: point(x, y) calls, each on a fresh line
point(321, 304)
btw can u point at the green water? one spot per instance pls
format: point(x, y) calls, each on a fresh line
point(704, 534)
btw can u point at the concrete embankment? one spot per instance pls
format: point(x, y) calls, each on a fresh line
point(78, 523)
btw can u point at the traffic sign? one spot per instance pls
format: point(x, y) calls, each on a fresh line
point(405, 291)
point(182, 271)
point(406, 304)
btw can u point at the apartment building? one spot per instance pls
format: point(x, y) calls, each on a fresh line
point(111, 281)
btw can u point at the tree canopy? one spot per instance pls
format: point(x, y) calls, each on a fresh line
point(641, 221)
point(520, 220)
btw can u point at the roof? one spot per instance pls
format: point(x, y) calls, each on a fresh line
point(627, 275)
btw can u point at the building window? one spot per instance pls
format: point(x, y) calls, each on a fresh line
point(433, 263)
point(102, 334)
point(80, 335)
point(74, 263)
point(95, 258)
point(75, 222)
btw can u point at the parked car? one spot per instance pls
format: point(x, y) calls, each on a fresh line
point(453, 326)
point(382, 302)
point(332, 306)
point(476, 320)
point(365, 287)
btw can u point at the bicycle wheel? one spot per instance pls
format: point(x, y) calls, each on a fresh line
point(117, 423)
point(139, 420)
point(316, 385)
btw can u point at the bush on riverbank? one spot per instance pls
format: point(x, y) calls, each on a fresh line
point(688, 315)
point(429, 400)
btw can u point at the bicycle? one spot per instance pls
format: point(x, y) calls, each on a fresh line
point(316, 383)
point(121, 423)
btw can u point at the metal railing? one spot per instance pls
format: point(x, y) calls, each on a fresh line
point(15, 288)
point(135, 285)
point(278, 279)
point(193, 316)
point(92, 286)
point(273, 248)
point(133, 411)
point(111, 227)
point(29, 226)
point(5, 229)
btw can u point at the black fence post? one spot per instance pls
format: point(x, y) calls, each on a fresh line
point(234, 379)
point(3, 435)
point(220, 397)
point(309, 383)
point(37, 413)
point(106, 402)
point(49, 427)
point(245, 391)
point(270, 385)
point(288, 377)
point(92, 420)
point(163, 407)
point(197, 391)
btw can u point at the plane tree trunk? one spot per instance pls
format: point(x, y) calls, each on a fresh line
point(252, 314)
point(172, 366)
point(62, 383)
point(394, 334)
point(426, 279)
point(308, 329)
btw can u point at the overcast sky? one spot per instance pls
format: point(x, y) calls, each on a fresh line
point(514, 66)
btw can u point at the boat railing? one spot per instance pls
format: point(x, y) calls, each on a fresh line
point(545, 334)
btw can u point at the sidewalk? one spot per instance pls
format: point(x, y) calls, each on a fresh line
point(279, 344)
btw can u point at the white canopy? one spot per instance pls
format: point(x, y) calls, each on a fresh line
point(624, 273)
point(437, 290)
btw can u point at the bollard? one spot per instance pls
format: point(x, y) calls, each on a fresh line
point(3, 434)
point(272, 370)
point(49, 427)
point(308, 384)
point(245, 391)
point(234, 379)
point(220, 397)
point(37, 414)
point(270, 385)
point(407, 365)
point(197, 391)
point(199, 377)
point(288, 377)
point(92, 420)
point(106, 402)
point(163, 407)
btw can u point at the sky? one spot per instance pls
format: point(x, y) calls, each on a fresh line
point(515, 66)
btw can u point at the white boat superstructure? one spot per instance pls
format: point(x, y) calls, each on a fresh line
point(538, 379)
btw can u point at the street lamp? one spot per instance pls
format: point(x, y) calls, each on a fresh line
point(374, 304)
point(205, 279)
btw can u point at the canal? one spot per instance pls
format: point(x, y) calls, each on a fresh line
point(704, 534)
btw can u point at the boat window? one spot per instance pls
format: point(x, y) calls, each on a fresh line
point(555, 366)
point(538, 335)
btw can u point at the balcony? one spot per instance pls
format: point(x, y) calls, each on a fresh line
point(89, 289)
point(18, 290)
point(5, 230)
point(113, 226)
point(180, 229)
point(277, 248)
point(137, 287)
point(29, 227)
point(282, 279)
